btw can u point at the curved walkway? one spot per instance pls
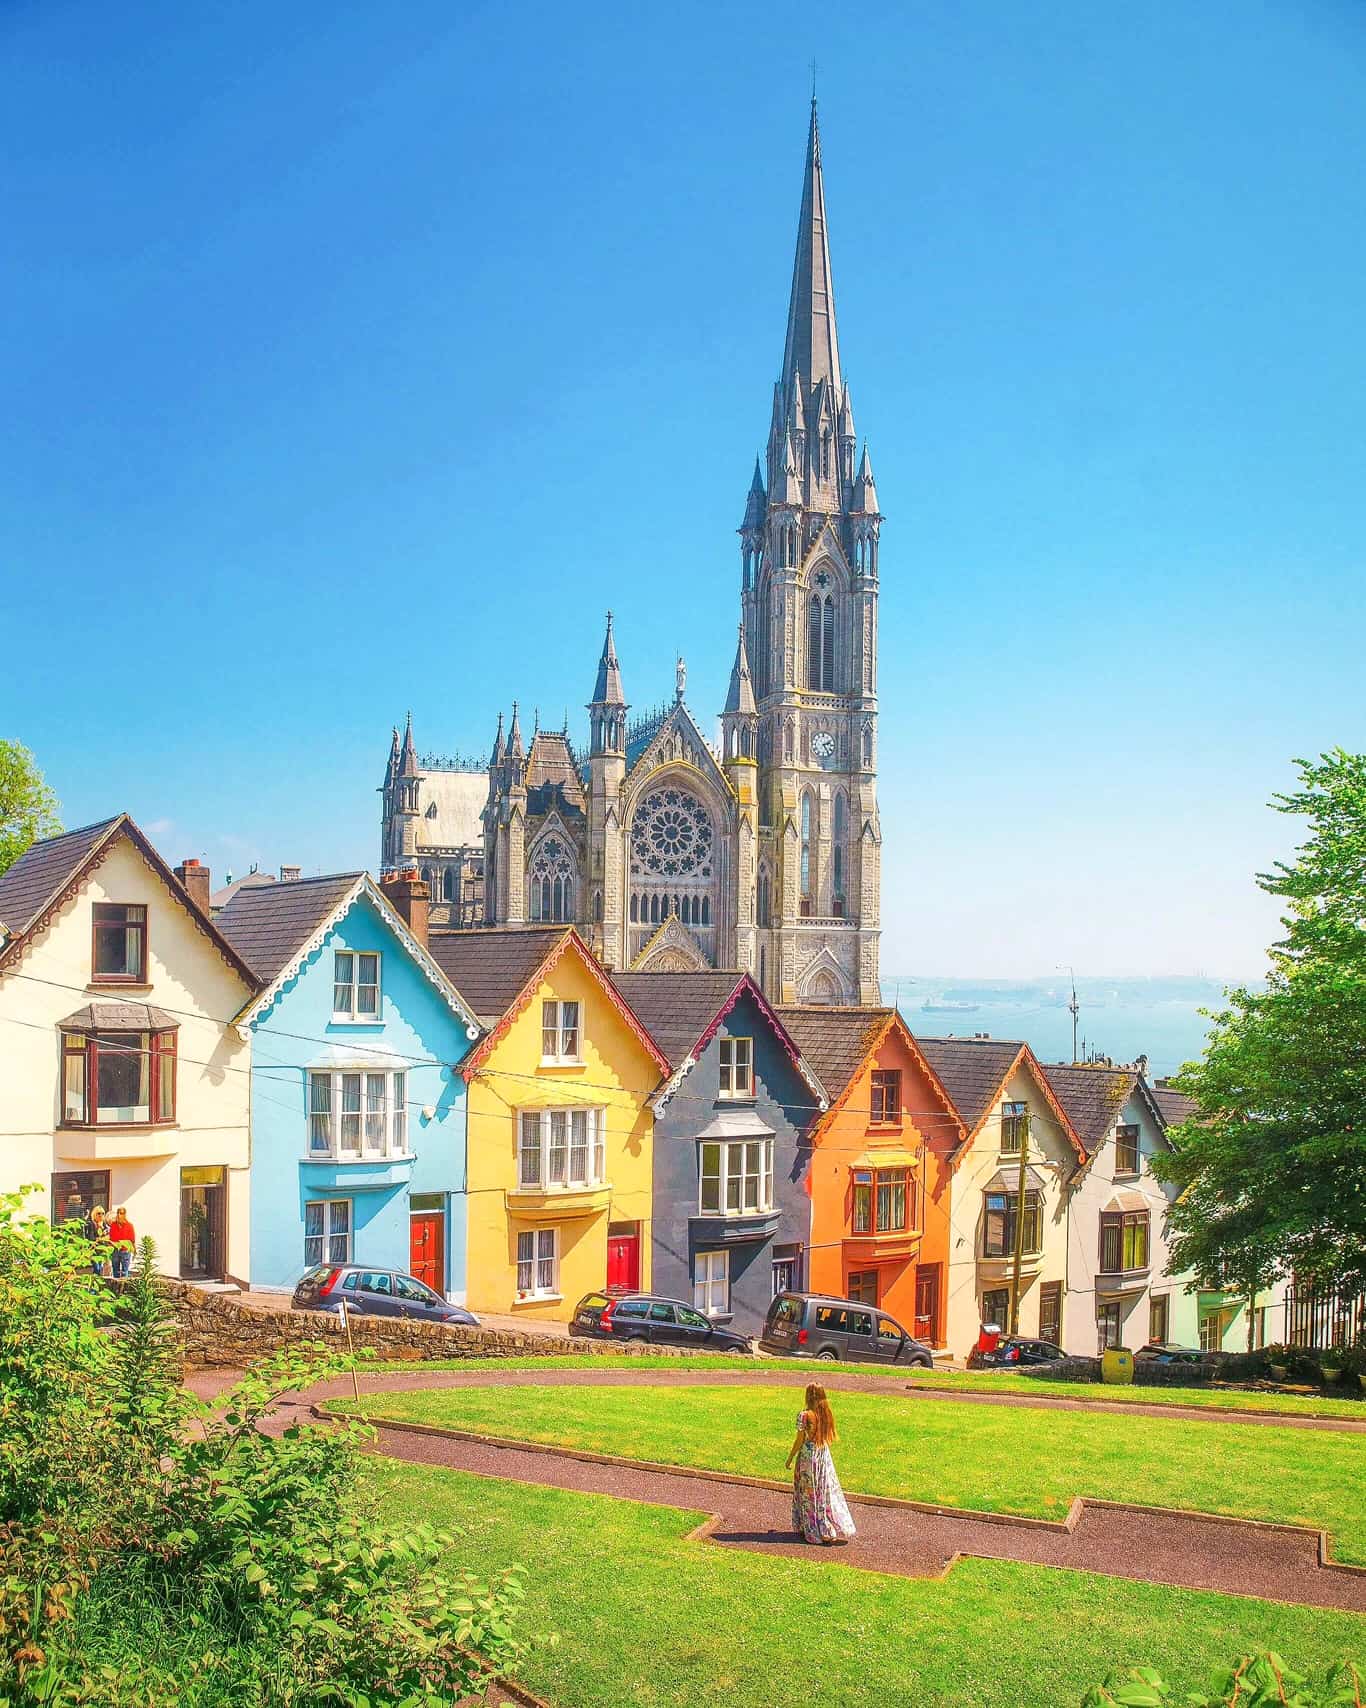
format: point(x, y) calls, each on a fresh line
point(1151, 1544)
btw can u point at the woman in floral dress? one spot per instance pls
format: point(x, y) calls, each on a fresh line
point(819, 1509)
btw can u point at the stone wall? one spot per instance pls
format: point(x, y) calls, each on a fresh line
point(1148, 1373)
point(219, 1332)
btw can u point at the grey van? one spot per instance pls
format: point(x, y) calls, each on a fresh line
point(813, 1325)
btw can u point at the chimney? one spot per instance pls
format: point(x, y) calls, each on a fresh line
point(194, 880)
point(291, 874)
point(410, 898)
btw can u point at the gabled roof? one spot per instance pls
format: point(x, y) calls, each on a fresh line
point(276, 927)
point(683, 1011)
point(974, 1072)
point(45, 877)
point(838, 1041)
point(1095, 1097)
point(493, 964)
point(489, 967)
point(1174, 1106)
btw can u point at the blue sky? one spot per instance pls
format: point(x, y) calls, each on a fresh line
point(358, 358)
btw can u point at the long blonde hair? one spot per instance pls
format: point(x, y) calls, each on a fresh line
point(820, 1419)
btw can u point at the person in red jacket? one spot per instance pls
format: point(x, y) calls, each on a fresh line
point(123, 1239)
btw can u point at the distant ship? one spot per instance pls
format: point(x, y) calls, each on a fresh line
point(949, 1007)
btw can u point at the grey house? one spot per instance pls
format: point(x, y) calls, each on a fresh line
point(731, 1209)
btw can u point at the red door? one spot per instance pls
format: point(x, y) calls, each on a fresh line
point(623, 1258)
point(427, 1248)
point(927, 1303)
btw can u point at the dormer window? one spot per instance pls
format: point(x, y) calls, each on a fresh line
point(355, 986)
point(119, 952)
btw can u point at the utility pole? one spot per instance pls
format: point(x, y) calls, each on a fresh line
point(1073, 1007)
point(1019, 1224)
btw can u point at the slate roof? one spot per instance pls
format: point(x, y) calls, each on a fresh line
point(834, 1041)
point(268, 924)
point(675, 1008)
point(489, 967)
point(1174, 1106)
point(119, 1017)
point(40, 875)
point(1093, 1097)
point(970, 1070)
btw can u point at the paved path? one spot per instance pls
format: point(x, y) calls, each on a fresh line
point(1280, 1563)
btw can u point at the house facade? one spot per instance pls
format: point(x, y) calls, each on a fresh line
point(731, 1209)
point(126, 1080)
point(560, 1129)
point(1012, 1120)
point(881, 1166)
point(358, 1103)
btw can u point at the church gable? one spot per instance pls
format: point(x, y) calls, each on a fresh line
point(678, 741)
point(672, 949)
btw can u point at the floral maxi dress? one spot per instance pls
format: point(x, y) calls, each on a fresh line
point(819, 1509)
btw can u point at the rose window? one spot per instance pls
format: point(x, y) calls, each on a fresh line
point(671, 836)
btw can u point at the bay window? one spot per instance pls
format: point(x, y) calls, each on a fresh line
point(560, 1032)
point(118, 1078)
point(355, 986)
point(538, 1263)
point(884, 1201)
point(357, 1113)
point(737, 1067)
point(561, 1149)
point(736, 1177)
point(999, 1220)
point(1123, 1240)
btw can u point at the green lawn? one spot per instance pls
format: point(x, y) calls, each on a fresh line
point(969, 1381)
point(996, 1458)
point(645, 1617)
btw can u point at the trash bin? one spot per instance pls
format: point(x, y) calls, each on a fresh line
point(1117, 1365)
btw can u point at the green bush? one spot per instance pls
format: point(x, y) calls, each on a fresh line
point(155, 1550)
point(1257, 1681)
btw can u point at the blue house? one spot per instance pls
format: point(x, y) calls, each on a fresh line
point(357, 1104)
point(731, 1204)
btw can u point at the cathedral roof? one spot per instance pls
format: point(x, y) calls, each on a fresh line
point(459, 798)
point(811, 353)
point(550, 767)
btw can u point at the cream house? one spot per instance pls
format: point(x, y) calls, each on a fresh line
point(126, 1081)
point(1012, 1117)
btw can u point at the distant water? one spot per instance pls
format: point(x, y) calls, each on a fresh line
point(1120, 1018)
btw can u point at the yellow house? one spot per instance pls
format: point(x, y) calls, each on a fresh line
point(126, 1082)
point(561, 1135)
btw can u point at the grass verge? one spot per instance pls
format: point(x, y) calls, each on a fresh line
point(988, 1458)
point(646, 1617)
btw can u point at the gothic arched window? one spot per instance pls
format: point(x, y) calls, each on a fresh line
point(806, 852)
point(838, 856)
point(765, 897)
point(673, 850)
point(820, 637)
point(448, 884)
point(550, 881)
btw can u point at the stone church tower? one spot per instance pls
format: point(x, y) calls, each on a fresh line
point(667, 851)
point(809, 579)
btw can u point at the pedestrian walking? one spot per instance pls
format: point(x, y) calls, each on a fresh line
point(124, 1240)
point(95, 1227)
point(820, 1512)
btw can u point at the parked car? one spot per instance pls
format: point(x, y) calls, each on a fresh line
point(375, 1293)
point(1012, 1350)
point(1160, 1352)
point(815, 1325)
point(652, 1318)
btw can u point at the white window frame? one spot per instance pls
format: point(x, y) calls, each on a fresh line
point(711, 1283)
point(561, 1150)
point(744, 1172)
point(737, 1067)
point(350, 999)
point(542, 1248)
point(356, 1113)
point(561, 1034)
point(331, 1231)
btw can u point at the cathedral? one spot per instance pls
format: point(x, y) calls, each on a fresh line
point(669, 851)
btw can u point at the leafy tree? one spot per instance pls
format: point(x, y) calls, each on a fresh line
point(1273, 1164)
point(28, 807)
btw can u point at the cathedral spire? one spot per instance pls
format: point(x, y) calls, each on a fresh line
point(391, 769)
point(756, 503)
point(607, 690)
point(865, 493)
point(812, 353)
point(497, 758)
point(408, 759)
point(515, 749)
point(740, 697)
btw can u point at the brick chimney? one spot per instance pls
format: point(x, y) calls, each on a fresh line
point(194, 880)
point(410, 899)
point(291, 874)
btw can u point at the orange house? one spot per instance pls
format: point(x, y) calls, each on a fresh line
point(879, 1178)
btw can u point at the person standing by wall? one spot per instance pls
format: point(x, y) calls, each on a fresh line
point(124, 1241)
